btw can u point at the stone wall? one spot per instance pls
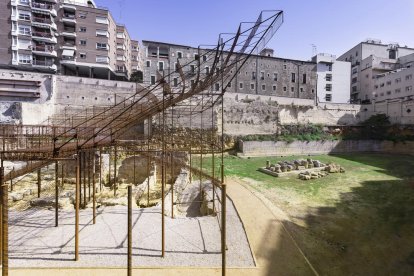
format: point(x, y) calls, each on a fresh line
point(270, 148)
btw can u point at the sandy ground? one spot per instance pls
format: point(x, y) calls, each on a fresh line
point(275, 251)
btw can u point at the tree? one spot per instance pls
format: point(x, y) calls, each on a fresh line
point(137, 76)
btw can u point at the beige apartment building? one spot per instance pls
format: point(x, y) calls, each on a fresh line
point(69, 37)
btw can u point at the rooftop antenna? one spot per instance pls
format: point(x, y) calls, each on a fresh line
point(121, 4)
point(314, 50)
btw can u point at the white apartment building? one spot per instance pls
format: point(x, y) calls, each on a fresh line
point(333, 79)
point(368, 59)
point(397, 84)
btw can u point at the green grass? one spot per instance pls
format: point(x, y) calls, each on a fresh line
point(357, 223)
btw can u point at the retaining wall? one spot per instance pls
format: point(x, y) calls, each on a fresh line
point(269, 148)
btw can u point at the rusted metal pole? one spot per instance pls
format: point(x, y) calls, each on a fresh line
point(100, 170)
point(84, 178)
point(94, 187)
point(79, 162)
point(11, 179)
point(62, 175)
point(148, 165)
point(5, 223)
point(223, 223)
point(89, 175)
point(134, 181)
point(163, 180)
point(39, 182)
point(77, 201)
point(115, 161)
point(129, 230)
point(56, 194)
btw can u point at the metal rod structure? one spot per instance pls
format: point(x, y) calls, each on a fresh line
point(77, 201)
point(83, 168)
point(94, 187)
point(163, 181)
point(39, 182)
point(100, 170)
point(56, 194)
point(115, 164)
point(5, 222)
point(129, 230)
point(89, 175)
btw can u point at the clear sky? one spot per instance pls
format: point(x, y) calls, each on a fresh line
point(334, 26)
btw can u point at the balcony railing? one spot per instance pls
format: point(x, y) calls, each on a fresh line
point(42, 6)
point(69, 30)
point(43, 62)
point(42, 34)
point(69, 16)
point(43, 20)
point(69, 44)
point(43, 48)
point(68, 58)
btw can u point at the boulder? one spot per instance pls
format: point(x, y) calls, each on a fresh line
point(16, 196)
point(316, 163)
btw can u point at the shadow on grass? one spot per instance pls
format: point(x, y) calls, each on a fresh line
point(369, 230)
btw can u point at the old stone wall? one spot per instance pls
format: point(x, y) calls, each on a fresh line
point(270, 148)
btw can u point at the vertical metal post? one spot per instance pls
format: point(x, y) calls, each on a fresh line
point(109, 167)
point(148, 164)
point(115, 161)
point(79, 162)
point(77, 201)
point(11, 180)
point(163, 179)
point(134, 181)
point(62, 175)
point(94, 187)
point(56, 194)
point(89, 175)
point(223, 222)
point(129, 230)
point(84, 178)
point(100, 170)
point(5, 223)
point(39, 182)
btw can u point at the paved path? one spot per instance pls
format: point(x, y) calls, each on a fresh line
point(274, 249)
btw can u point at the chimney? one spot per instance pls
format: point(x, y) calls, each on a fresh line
point(267, 52)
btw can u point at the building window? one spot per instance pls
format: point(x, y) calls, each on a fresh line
point(192, 68)
point(388, 92)
point(408, 77)
point(304, 78)
point(102, 59)
point(229, 85)
point(175, 82)
point(284, 66)
point(328, 77)
point(388, 83)
point(252, 86)
point(253, 75)
point(179, 55)
point(24, 16)
point(25, 59)
point(101, 46)
point(82, 55)
point(82, 42)
point(408, 88)
point(82, 29)
point(217, 87)
point(292, 89)
point(102, 20)
point(274, 87)
point(329, 67)
point(241, 85)
point(204, 58)
point(293, 77)
point(152, 80)
point(275, 76)
point(24, 30)
point(398, 80)
point(161, 66)
point(301, 89)
point(102, 33)
point(398, 90)
point(262, 75)
point(263, 87)
point(207, 70)
point(328, 87)
point(354, 80)
point(148, 63)
point(120, 35)
point(284, 88)
point(392, 54)
point(328, 97)
point(82, 15)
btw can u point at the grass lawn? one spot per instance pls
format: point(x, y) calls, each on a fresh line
point(357, 223)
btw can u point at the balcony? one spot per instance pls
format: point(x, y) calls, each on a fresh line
point(68, 32)
point(42, 6)
point(44, 50)
point(44, 36)
point(69, 18)
point(43, 63)
point(42, 22)
point(69, 45)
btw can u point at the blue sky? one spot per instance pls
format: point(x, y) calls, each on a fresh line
point(334, 26)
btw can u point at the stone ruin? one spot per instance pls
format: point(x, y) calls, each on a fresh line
point(308, 169)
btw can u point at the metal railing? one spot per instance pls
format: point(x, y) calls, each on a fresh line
point(42, 34)
point(42, 6)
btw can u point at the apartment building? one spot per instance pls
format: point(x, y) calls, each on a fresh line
point(262, 74)
point(397, 84)
point(69, 37)
point(368, 59)
point(333, 79)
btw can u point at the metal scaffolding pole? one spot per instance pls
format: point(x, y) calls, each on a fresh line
point(56, 194)
point(77, 201)
point(39, 182)
point(115, 162)
point(94, 186)
point(129, 230)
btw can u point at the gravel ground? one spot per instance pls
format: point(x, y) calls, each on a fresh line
point(35, 242)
